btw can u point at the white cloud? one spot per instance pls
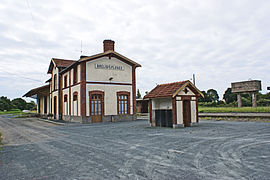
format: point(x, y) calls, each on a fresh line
point(220, 41)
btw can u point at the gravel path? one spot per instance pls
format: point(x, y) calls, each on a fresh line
point(133, 150)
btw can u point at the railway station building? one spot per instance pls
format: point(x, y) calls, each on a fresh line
point(97, 88)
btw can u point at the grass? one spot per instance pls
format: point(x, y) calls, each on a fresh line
point(18, 113)
point(232, 109)
point(236, 119)
point(12, 111)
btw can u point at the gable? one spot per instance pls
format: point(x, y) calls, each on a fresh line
point(111, 54)
point(59, 63)
point(191, 90)
point(104, 68)
point(186, 91)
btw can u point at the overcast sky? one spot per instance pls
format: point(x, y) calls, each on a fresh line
point(220, 41)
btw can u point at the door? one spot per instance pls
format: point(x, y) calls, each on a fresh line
point(45, 104)
point(187, 113)
point(163, 118)
point(96, 106)
point(38, 100)
point(54, 107)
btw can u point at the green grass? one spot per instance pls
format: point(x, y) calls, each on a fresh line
point(17, 112)
point(12, 111)
point(232, 109)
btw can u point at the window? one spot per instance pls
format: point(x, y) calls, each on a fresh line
point(65, 81)
point(123, 102)
point(95, 104)
point(65, 98)
point(54, 82)
point(75, 75)
point(75, 104)
point(65, 105)
point(75, 96)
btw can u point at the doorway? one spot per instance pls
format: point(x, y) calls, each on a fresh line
point(54, 107)
point(45, 104)
point(186, 112)
point(164, 118)
point(96, 107)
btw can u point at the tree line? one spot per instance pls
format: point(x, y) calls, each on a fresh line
point(229, 99)
point(17, 103)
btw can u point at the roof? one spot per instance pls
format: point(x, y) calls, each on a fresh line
point(60, 63)
point(171, 89)
point(106, 53)
point(43, 90)
point(49, 80)
point(113, 53)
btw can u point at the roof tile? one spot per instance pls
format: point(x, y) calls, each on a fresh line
point(165, 90)
point(63, 62)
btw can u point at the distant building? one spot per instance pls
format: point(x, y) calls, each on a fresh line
point(142, 105)
point(97, 88)
point(173, 104)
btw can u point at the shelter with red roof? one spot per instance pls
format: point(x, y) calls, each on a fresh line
point(174, 104)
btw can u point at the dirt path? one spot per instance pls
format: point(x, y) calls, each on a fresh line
point(133, 150)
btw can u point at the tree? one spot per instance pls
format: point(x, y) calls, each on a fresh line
point(5, 104)
point(138, 94)
point(229, 97)
point(31, 106)
point(19, 103)
point(213, 95)
point(205, 98)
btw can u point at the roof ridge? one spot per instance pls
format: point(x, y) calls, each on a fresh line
point(64, 59)
point(173, 82)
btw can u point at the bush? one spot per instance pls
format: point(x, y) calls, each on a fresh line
point(246, 102)
point(50, 115)
point(207, 104)
point(263, 102)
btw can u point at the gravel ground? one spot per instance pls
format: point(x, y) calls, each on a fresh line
point(133, 150)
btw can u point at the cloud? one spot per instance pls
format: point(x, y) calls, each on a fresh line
point(220, 41)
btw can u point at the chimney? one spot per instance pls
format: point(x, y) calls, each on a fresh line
point(108, 45)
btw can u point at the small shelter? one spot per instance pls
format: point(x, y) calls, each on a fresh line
point(174, 104)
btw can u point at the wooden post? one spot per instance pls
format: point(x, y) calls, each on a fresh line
point(239, 100)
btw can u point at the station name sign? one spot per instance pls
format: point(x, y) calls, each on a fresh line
point(109, 67)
